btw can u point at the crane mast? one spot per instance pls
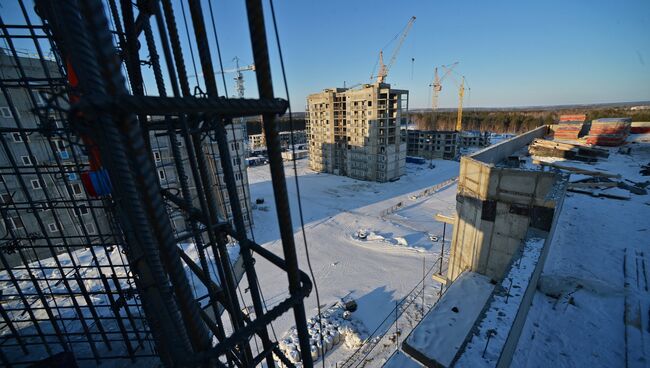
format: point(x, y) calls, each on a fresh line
point(461, 94)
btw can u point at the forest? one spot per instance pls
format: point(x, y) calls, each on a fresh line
point(515, 121)
point(498, 121)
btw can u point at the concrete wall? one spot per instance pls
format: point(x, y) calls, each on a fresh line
point(501, 150)
point(496, 206)
point(512, 340)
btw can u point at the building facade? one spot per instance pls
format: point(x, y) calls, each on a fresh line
point(168, 173)
point(356, 132)
point(474, 138)
point(257, 142)
point(432, 144)
point(44, 206)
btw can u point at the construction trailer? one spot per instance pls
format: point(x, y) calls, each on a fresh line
point(155, 278)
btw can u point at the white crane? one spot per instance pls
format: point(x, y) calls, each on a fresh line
point(239, 77)
point(437, 83)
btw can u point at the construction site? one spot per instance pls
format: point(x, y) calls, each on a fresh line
point(144, 225)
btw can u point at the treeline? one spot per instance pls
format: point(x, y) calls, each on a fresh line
point(498, 121)
point(255, 127)
point(515, 121)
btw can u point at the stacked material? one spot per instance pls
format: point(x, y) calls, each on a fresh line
point(545, 148)
point(640, 127)
point(570, 126)
point(609, 131)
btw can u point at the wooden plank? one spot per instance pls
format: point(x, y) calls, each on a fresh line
point(446, 219)
point(588, 185)
point(578, 170)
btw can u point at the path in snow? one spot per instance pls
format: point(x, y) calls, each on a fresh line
point(376, 274)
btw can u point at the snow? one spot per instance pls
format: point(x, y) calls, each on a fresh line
point(500, 315)
point(90, 264)
point(442, 332)
point(576, 318)
point(376, 273)
point(401, 360)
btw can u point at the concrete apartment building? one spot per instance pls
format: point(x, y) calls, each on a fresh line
point(168, 175)
point(474, 138)
point(356, 132)
point(41, 193)
point(37, 200)
point(257, 142)
point(431, 144)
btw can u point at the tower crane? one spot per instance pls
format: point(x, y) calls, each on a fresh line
point(437, 83)
point(239, 77)
point(461, 94)
point(383, 68)
point(239, 87)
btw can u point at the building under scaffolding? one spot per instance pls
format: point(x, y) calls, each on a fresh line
point(125, 212)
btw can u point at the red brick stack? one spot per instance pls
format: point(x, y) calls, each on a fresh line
point(609, 131)
point(570, 126)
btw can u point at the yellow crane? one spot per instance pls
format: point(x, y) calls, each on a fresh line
point(461, 95)
point(383, 68)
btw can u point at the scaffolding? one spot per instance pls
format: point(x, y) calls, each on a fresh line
point(104, 257)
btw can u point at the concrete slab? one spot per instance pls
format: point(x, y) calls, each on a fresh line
point(438, 338)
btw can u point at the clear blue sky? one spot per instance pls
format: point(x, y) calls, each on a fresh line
point(513, 53)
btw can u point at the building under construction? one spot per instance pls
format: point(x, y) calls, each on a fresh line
point(124, 197)
point(356, 132)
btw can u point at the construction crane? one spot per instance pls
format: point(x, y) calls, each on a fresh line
point(383, 68)
point(461, 94)
point(239, 87)
point(437, 83)
point(239, 78)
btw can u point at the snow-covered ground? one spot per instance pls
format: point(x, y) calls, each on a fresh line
point(377, 271)
point(576, 319)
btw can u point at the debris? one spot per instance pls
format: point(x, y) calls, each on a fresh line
point(645, 170)
point(546, 148)
point(593, 184)
point(633, 188)
point(599, 193)
point(579, 170)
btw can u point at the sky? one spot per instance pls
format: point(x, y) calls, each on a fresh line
point(512, 53)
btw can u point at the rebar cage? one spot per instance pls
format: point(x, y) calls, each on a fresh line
point(126, 219)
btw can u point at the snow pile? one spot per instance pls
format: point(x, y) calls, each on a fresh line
point(364, 235)
point(337, 328)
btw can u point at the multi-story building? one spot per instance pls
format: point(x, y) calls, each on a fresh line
point(168, 174)
point(431, 144)
point(43, 201)
point(474, 138)
point(356, 132)
point(257, 142)
point(42, 197)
